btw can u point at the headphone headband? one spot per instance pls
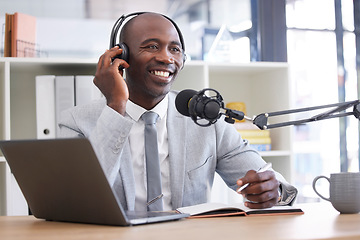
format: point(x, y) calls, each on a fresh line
point(119, 22)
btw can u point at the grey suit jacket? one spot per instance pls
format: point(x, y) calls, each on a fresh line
point(195, 153)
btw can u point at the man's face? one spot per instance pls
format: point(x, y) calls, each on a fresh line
point(156, 56)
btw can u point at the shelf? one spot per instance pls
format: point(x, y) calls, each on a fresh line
point(246, 68)
point(275, 153)
point(263, 86)
point(38, 61)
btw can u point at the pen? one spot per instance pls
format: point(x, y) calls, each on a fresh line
point(266, 167)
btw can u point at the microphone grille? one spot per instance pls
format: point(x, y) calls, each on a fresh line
point(182, 101)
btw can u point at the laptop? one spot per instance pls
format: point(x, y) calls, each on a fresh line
point(62, 180)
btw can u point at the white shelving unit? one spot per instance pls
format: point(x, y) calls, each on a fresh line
point(264, 87)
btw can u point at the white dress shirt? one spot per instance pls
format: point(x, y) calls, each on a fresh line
point(136, 139)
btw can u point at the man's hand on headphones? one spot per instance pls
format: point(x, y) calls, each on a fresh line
point(109, 79)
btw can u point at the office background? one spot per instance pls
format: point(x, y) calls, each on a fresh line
point(318, 38)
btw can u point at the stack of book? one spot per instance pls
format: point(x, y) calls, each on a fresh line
point(259, 139)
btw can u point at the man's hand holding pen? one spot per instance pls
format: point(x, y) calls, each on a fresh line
point(260, 188)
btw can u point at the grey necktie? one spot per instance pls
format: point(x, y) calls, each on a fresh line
point(154, 193)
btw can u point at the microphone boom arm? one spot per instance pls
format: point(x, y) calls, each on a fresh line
point(261, 120)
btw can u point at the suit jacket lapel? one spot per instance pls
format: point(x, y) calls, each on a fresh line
point(177, 152)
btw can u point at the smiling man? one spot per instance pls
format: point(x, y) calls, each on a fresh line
point(156, 58)
point(189, 155)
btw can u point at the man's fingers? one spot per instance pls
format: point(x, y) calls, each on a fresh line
point(260, 205)
point(106, 59)
point(252, 178)
point(264, 183)
point(248, 178)
point(263, 176)
point(263, 195)
point(119, 62)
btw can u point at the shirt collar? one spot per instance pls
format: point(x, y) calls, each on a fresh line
point(135, 111)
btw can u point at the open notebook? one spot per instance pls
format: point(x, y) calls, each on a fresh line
point(62, 180)
point(221, 209)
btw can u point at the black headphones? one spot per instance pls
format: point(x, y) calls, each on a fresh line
point(125, 53)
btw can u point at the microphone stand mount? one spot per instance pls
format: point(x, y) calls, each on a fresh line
point(261, 120)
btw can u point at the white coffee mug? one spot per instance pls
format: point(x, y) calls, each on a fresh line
point(344, 191)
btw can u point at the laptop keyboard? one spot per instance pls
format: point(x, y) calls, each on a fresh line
point(139, 214)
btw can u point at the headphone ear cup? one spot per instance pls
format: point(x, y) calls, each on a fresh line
point(125, 53)
point(184, 59)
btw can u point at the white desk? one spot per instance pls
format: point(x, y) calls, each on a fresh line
point(320, 221)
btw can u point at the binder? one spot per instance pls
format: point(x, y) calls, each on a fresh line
point(85, 90)
point(64, 97)
point(45, 106)
point(54, 94)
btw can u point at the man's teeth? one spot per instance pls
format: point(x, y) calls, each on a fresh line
point(161, 73)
